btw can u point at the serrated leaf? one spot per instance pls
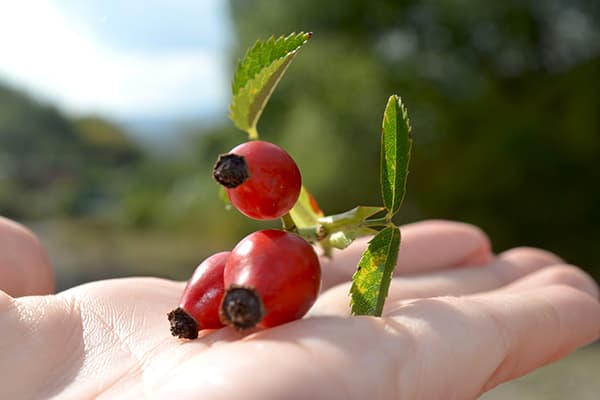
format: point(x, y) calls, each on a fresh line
point(372, 279)
point(306, 211)
point(257, 76)
point(262, 54)
point(396, 143)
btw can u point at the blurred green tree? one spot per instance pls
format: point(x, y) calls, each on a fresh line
point(52, 165)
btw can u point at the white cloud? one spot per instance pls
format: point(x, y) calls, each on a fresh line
point(50, 53)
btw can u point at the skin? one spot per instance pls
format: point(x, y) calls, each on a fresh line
point(459, 320)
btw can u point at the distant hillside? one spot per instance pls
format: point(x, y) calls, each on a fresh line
point(49, 162)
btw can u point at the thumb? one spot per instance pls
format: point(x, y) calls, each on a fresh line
point(24, 265)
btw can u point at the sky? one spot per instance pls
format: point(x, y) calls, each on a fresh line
point(126, 60)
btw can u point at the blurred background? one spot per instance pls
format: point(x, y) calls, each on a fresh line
point(113, 113)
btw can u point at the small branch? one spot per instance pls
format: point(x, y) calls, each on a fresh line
point(384, 221)
point(312, 234)
point(288, 223)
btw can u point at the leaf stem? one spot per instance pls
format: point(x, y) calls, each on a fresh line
point(288, 223)
point(383, 221)
point(312, 234)
point(252, 133)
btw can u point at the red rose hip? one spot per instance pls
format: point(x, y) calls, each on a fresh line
point(201, 298)
point(261, 180)
point(271, 277)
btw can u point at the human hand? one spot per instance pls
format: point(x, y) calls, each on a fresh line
point(498, 318)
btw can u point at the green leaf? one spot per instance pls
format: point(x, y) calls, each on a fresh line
point(306, 211)
point(262, 54)
point(372, 279)
point(396, 143)
point(258, 74)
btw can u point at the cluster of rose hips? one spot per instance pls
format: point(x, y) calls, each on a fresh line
point(271, 276)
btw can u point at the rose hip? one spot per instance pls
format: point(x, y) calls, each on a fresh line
point(262, 181)
point(199, 305)
point(271, 277)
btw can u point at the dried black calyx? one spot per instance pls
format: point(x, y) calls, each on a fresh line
point(182, 324)
point(231, 170)
point(242, 307)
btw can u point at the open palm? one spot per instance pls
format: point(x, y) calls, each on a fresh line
point(458, 321)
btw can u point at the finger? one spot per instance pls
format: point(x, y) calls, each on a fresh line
point(41, 343)
point(559, 274)
point(425, 246)
point(24, 265)
point(508, 267)
point(478, 342)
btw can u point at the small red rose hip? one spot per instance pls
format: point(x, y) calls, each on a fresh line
point(261, 180)
point(271, 277)
point(201, 298)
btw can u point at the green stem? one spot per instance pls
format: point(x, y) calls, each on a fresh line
point(384, 221)
point(252, 133)
point(351, 227)
point(288, 223)
point(311, 234)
